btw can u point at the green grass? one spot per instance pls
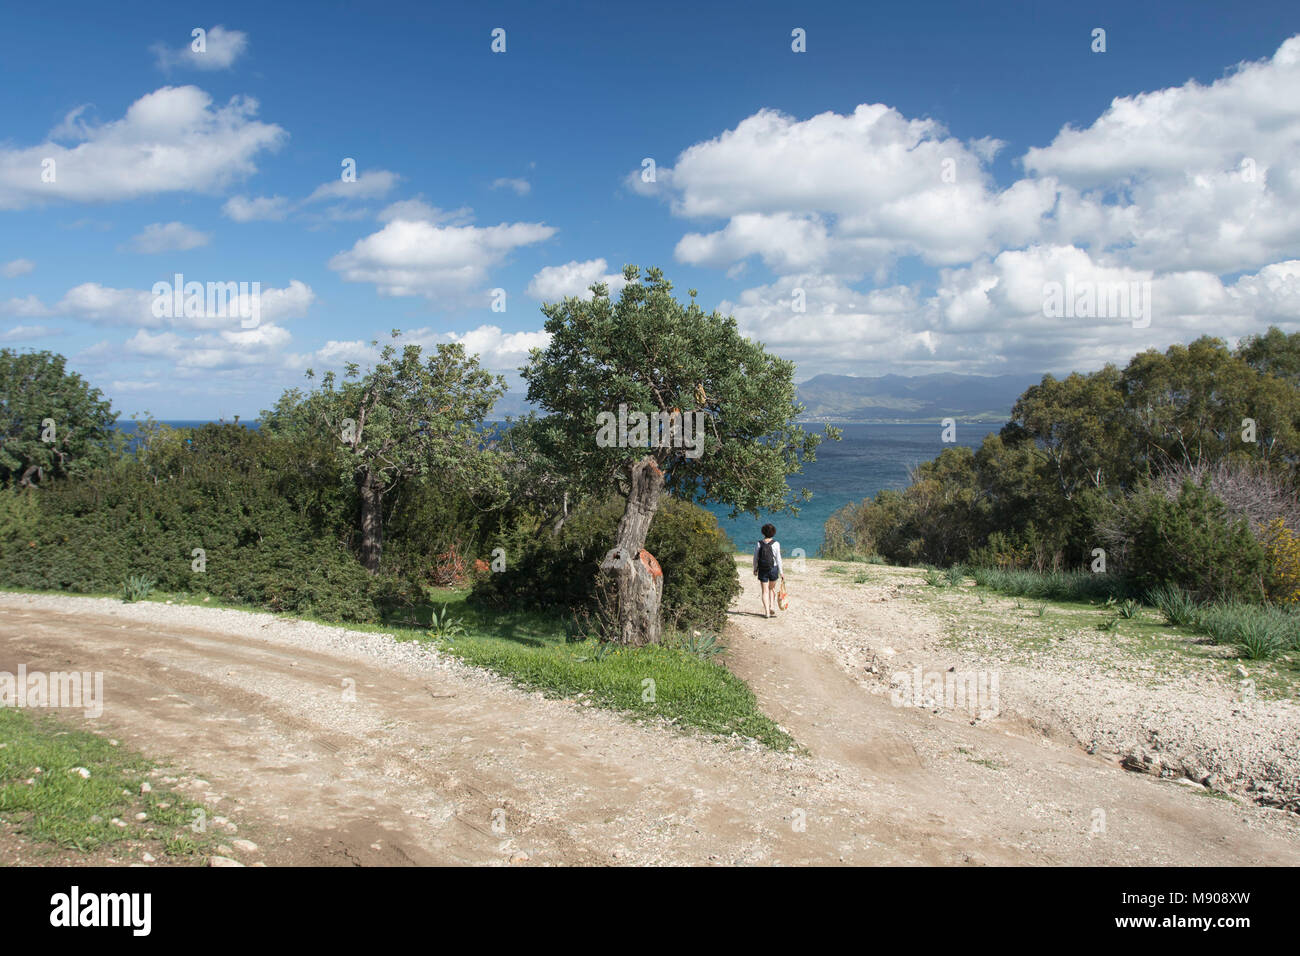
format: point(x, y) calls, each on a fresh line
point(1258, 631)
point(1055, 585)
point(1165, 628)
point(689, 688)
point(62, 807)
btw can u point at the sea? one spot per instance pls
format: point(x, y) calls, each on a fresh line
point(867, 459)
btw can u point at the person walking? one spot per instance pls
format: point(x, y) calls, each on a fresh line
point(767, 568)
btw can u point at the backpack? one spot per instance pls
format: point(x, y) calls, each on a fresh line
point(766, 561)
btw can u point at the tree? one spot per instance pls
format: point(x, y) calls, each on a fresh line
point(646, 395)
point(1080, 429)
point(407, 416)
point(1189, 404)
point(52, 423)
point(1273, 353)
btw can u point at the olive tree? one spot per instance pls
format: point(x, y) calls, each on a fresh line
point(647, 395)
point(409, 415)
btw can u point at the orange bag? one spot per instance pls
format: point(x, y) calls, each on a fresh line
point(782, 599)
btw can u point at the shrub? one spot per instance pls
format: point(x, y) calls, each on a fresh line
point(546, 571)
point(136, 588)
point(1283, 550)
point(1191, 543)
point(223, 493)
point(1175, 604)
point(1257, 640)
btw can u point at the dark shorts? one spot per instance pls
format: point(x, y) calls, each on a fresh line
point(773, 575)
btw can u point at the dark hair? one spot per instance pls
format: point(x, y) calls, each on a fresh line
point(769, 531)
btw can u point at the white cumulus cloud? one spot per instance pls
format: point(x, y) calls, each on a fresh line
point(170, 140)
point(574, 278)
point(421, 258)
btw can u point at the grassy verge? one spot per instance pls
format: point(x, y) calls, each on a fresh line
point(1166, 626)
point(679, 681)
point(1259, 631)
point(77, 791)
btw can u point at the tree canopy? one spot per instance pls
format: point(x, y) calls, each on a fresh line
point(52, 423)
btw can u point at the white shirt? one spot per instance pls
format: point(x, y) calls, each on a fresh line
point(776, 555)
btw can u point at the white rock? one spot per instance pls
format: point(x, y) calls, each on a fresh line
point(222, 861)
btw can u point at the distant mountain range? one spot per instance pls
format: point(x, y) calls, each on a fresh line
point(918, 398)
point(886, 398)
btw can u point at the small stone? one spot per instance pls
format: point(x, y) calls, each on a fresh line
point(244, 846)
point(520, 857)
point(1241, 671)
point(147, 857)
point(145, 787)
point(142, 817)
point(222, 861)
point(81, 772)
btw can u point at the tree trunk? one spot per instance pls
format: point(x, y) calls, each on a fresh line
point(558, 525)
point(372, 521)
point(639, 589)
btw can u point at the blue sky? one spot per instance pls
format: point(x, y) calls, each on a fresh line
point(776, 171)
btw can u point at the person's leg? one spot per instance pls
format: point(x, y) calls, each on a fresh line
point(769, 597)
point(763, 596)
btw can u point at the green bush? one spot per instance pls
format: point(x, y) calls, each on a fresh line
point(558, 572)
point(224, 493)
point(1191, 542)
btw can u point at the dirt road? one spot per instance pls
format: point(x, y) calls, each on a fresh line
point(437, 763)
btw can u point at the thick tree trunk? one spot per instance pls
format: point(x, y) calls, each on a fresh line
point(372, 521)
point(638, 587)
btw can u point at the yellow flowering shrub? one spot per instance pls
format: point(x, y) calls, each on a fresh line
point(1283, 549)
